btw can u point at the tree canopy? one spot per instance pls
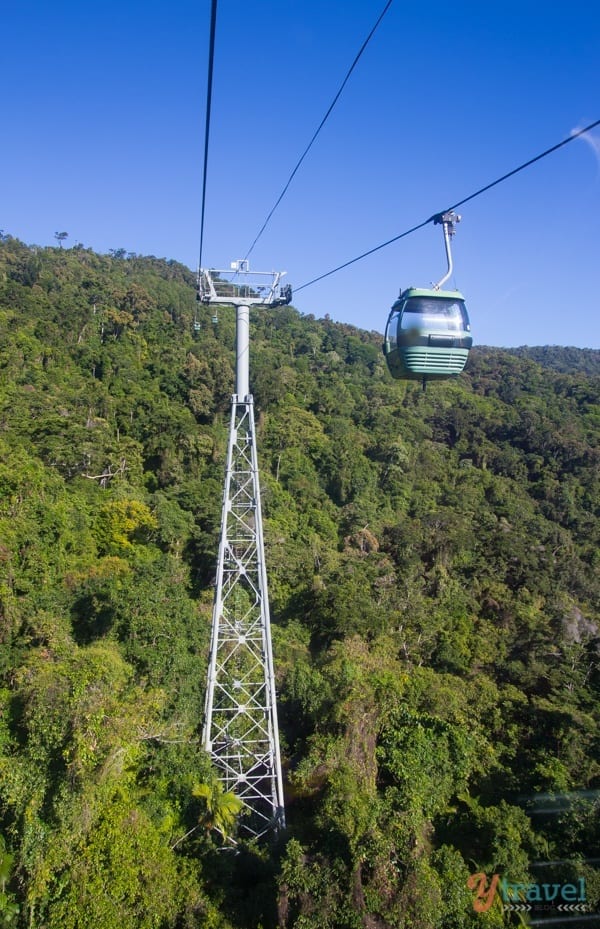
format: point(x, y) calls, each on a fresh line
point(433, 572)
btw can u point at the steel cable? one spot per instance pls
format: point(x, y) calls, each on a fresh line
point(526, 164)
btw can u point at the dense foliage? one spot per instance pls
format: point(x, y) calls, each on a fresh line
point(434, 583)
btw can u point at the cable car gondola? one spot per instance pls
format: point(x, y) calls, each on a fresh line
point(428, 334)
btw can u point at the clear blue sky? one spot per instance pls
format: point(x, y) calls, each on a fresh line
point(102, 136)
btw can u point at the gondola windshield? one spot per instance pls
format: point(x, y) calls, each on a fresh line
point(435, 313)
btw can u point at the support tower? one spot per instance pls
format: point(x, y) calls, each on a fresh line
point(240, 719)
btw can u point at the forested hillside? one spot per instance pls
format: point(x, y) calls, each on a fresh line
point(433, 567)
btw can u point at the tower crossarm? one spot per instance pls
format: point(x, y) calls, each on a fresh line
point(239, 286)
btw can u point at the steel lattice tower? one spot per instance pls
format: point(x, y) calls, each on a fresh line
point(240, 720)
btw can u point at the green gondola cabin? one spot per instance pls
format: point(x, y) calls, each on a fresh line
point(428, 335)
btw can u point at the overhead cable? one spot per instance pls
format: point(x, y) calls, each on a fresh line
point(574, 135)
point(526, 164)
point(211, 61)
point(320, 126)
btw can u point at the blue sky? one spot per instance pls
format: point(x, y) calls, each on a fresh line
point(102, 136)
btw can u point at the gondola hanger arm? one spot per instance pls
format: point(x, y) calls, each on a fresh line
point(447, 221)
